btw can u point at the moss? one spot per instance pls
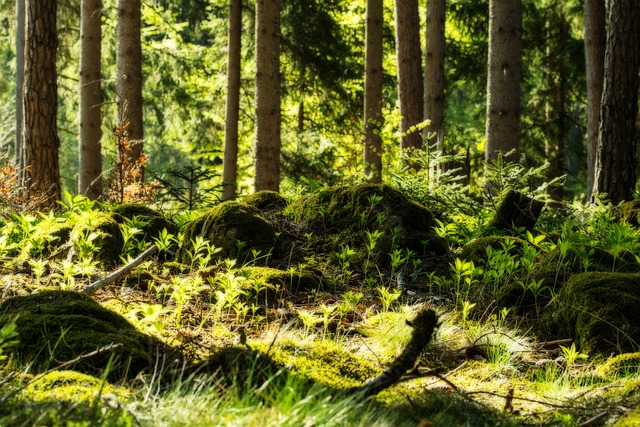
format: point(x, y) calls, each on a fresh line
point(266, 201)
point(621, 365)
point(516, 211)
point(628, 212)
point(342, 215)
point(60, 326)
point(632, 419)
point(238, 230)
point(156, 222)
point(323, 362)
point(70, 386)
point(291, 280)
point(600, 311)
point(46, 240)
point(476, 249)
point(109, 242)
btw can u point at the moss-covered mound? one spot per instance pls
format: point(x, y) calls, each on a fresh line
point(476, 249)
point(154, 221)
point(600, 312)
point(270, 280)
point(621, 365)
point(344, 216)
point(108, 241)
point(266, 201)
point(628, 212)
point(239, 231)
point(70, 386)
point(516, 211)
point(55, 327)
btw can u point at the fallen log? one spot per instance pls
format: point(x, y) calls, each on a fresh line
point(424, 324)
point(123, 271)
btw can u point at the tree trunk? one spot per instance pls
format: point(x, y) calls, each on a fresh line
point(373, 92)
point(267, 174)
point(434, 72)
point(595, 38)
point(129, 79)
point(230, 167)
point(19, 81)
point(615, 170)
point(503, 81)
point(89, 153)
point(41, 176)
point(410, 82)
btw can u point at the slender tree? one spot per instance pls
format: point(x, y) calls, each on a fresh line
point(230, 166)
point(595, 38)
point(373, 92)
point(410, 81)
point(19, 80)
point(129, 78)
point(41, 176)
point(434, 71)
point(615, 170)
point(89, 150)
point(267, 149)
point(504, 75)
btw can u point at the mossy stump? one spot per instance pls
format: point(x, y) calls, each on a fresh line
point(516, 211)
point(600, 312)
point(56, 327)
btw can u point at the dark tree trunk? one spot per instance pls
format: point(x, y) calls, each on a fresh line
point(41, 175)
point(410, 82)
point(504, 75)
point(616, 154)
point(434, 72)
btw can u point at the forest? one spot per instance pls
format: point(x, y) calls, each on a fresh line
point(319, 212)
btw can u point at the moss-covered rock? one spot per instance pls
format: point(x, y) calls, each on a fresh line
point(599, 311)
point(628, 212)
point(271, 279)
point(343, 215)
point(108, 236)
point(516, 211)
point(266, 201)
point(238, 231)
point(476, 249)
point(70, 386)
point(61, 326)
point(155, 221)
point(621, 365)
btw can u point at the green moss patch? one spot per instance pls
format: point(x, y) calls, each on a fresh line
point(621, 365)
point(291, 280)
point(70, 386)
point(600, 311)
point(56, 327)
point(155, 221)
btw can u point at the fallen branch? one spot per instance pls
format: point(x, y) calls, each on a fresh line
point(424, 325)
point(95, 286)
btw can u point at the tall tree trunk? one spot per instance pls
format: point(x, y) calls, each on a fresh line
point(89, 150)
point(595, 38)
point(434, 72)
point(615, 170)
point(267, 175)
point(410, 82)
point(373, 92)
point(19, 81)
point(504, 74)
point(129, 79)
point(41, 176)
point(230, 167)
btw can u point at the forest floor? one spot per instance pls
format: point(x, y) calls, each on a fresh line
point(276, 352)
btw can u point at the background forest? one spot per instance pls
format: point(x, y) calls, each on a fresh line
point(322, 66)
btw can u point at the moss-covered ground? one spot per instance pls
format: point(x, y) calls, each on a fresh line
point(273, 310)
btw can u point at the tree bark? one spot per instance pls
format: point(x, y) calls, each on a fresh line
point(410, 82)
point(504, 75)
point(373, 119)
point(615, 170)
point(20, 24)
point(41, 176)
point(230, 167)
point(129, 78)
point(434, 72)
point(89, 150)
point(595, 39)
point(267, 174)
